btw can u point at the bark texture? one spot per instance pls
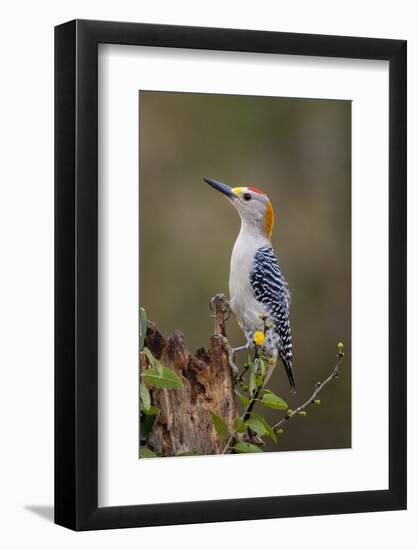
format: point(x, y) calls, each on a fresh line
point(184, 423)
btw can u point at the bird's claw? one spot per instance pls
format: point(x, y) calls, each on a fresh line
point(233, 366)
point(232, 352)
point(241, 348)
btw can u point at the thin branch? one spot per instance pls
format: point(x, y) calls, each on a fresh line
point(229, 442)
point(247, 411)
point(244, 417)
point(242, 374)
point(317, 389)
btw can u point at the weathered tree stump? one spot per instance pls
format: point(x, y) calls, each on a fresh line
point(184, 423)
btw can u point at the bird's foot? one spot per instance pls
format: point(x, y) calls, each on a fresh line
point(232, 364)
point(241, 348)
point(232, 353)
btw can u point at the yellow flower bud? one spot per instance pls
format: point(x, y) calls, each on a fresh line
point(259, 338)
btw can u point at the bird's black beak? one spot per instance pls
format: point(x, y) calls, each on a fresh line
point(223, 188)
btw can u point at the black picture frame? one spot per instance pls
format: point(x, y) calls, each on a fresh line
point(76, 271)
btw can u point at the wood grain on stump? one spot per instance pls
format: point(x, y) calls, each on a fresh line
point(184, 423)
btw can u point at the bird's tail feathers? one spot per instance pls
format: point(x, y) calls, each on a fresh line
point(290, 374)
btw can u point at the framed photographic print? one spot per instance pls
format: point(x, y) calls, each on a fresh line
point(230, 244)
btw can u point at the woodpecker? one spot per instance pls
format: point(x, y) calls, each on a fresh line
point(259, 294)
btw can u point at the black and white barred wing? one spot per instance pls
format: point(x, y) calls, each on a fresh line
point(270, 288)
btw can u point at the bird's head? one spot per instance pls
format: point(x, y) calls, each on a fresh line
point(254, 207)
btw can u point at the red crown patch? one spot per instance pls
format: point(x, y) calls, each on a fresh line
point(256, 190)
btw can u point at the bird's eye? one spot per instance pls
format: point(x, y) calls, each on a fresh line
point(247, 196)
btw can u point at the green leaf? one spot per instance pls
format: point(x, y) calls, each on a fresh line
point(273, 402)
point(243, 398)
point(273, 436)
point(252, 381)
point(146, 425)
point(259, 380)
point(153, 360)
point(240, 426)
point(143, 326)
point(262, 367)
point(242, 447)
point(268, 429)
point(145, 397)
point(164, 378)
point(145, 452)
point(257, 426)
point(159, 367)
point(220, 426)
point(152, 411)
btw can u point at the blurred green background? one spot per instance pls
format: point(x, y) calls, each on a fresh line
point(299, 152)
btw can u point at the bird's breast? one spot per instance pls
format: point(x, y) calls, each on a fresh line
point(247, 309)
